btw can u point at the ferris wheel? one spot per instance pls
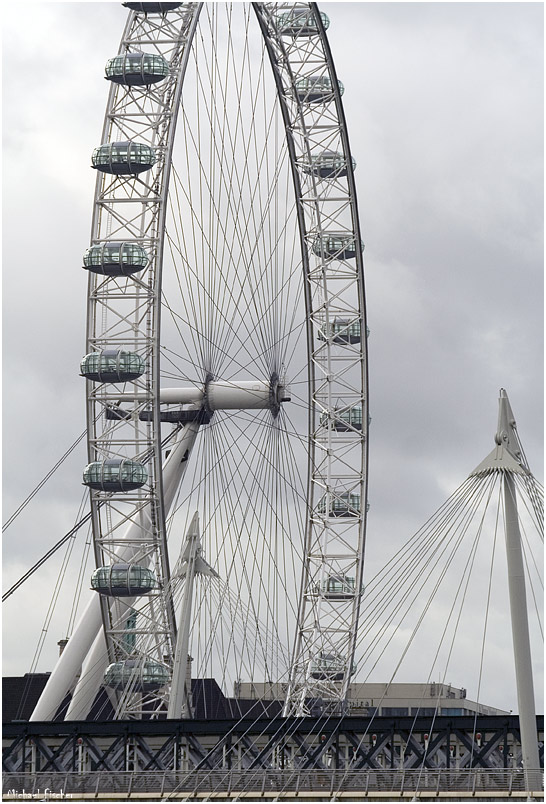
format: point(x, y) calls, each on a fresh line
point(226, 368)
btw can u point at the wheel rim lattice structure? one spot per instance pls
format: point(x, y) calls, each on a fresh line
point(126, 314)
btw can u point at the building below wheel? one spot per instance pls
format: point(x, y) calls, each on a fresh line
point(386, 700)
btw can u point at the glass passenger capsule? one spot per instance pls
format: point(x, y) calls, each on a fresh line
point(316, 89)
point(123, 580)
point(112, 365)
point(341, 504)
point(137, 674)
point(115, 474)
point(125, 158)
point(327, 165)
point(345, 420)
point(335, 246)
point(300, 22)
point(137, 69)
point(152, 8)
point(329, 666)
point(115, 258)
point(338, 587)
point(342, 330)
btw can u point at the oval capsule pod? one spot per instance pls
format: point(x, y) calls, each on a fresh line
point(152, 8)
point(327, 165)
point(115, 258)
point(341, 504)
point(123, 580)
point(112, 365)
point(126, 158)
point(329, 666)
point(342, 330)
point(115, 474)
point(300, 21)
point(338, 587)
point(316, 89)
point(137, 69)
point(335, 246)
point(141, 675)
point(344, 420)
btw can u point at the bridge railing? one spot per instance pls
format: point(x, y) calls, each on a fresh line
point(266, 783)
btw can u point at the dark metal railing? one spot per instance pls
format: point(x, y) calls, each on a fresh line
point(280, 783)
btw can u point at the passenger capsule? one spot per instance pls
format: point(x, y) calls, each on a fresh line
point(123, 158)
point(338, 587)
point(137, 69)
point(300, 22)
point(316, 89)
point(115, 474)
point(336, 246)
point(123, 580)
point(341, 330)
point(139, 675)
point(115, 259)
point(329, 667)
point(345, 420)
point(341, 504)
point(327, 165)
point(112, 365)
point(152, 8)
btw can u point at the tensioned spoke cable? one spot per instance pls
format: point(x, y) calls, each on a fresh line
point(229, 501)
point(415, 588)
point(461, 592)
point(241, 366)
point(43, 481)
point(405, 587)
point(245, 159)
point(413, 547)
point(80, 581)
point(530, 493)
point(489, 484)
point(486, 618)
point(51, 608)
point(71, 533)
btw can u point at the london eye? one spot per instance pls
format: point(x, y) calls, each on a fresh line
point(226, 367)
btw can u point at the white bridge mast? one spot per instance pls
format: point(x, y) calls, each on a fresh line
point(507, 458)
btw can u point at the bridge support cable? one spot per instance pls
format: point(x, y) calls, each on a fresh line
point(44, 480)
point(71, 533)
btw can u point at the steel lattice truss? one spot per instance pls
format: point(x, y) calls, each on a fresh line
point(327, 623)
point(284, 744)
point(123, 312)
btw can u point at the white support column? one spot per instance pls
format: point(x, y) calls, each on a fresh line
point(192, 564)
point(508, 461)
point(91, 678)
point(84, 642)
point(520, 637)
point(69, 664)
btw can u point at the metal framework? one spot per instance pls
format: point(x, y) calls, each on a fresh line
point(353, 745)
point(125, 421)
point(323, 657)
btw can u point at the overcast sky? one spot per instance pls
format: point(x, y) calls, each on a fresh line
point(444, 103)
